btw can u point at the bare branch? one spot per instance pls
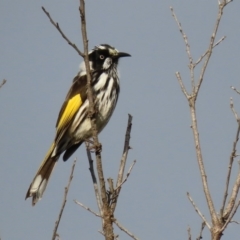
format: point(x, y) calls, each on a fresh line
point(1, 84)
point(206, 190)
point(128, 174)
point(201, 58)
point(58, 236)
point(95, 185)
point(64, 201)
point(237, 91)
point(232, 156)
point(191, 65)
point(56, 25)
point(232, 221)
point(123, 160)
point(107, 224)
point(201, 231)
point(111, 185)
point(209, 51)
point(232, 199)
point(227, 2)
point(198, 211)
point(124, 229)
point(233, 110)
point(192, 97)
point(179, 78)
point(101, 232)
point(87, 208)
point(189, 233)
point(230, 217)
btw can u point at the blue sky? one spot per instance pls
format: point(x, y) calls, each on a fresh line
point(39, 67)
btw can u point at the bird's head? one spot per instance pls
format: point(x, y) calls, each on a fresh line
point(104, 57)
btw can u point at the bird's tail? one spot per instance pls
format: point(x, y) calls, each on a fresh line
point(39, 183)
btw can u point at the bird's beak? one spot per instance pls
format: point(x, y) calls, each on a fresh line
point(123, 54)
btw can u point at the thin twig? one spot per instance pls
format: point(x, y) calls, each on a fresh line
point(111, 185)
point(124, 229)
point(233, 88)
point(128, 174)
point(232, 156)
point(123, 160)
point(198, 211)
point(230, 217)
point(232, 221)
point(233, 110)
point(1, 84)
point(87, 208)
point(101, 232)
point(179, 78)
point(95, 185)
point(233, 198)
point(227, 2)
point(64, 201)
point(189, 233)
point(56, 25)
point(201, 58)
point(201, 231)
point(191, 65)
point(209, 51)
point(58, 236)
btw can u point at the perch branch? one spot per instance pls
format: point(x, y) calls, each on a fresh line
point(106, 212)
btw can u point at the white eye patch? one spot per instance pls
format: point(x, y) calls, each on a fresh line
point(107, 63)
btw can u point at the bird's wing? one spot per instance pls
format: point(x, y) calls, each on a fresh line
point(74, 100)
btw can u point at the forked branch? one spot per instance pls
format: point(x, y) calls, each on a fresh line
point(56, 25)
point(217, 223)
point(123, 160)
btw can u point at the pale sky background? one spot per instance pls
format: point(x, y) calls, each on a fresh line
point(39, 67)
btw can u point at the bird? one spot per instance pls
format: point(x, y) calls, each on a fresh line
point(73, 125)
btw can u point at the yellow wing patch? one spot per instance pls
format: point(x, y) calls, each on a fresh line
point(71, 108)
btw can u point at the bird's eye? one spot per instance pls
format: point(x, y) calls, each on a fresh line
point(101, 57)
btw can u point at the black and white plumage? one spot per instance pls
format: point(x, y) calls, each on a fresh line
point(73, 126)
